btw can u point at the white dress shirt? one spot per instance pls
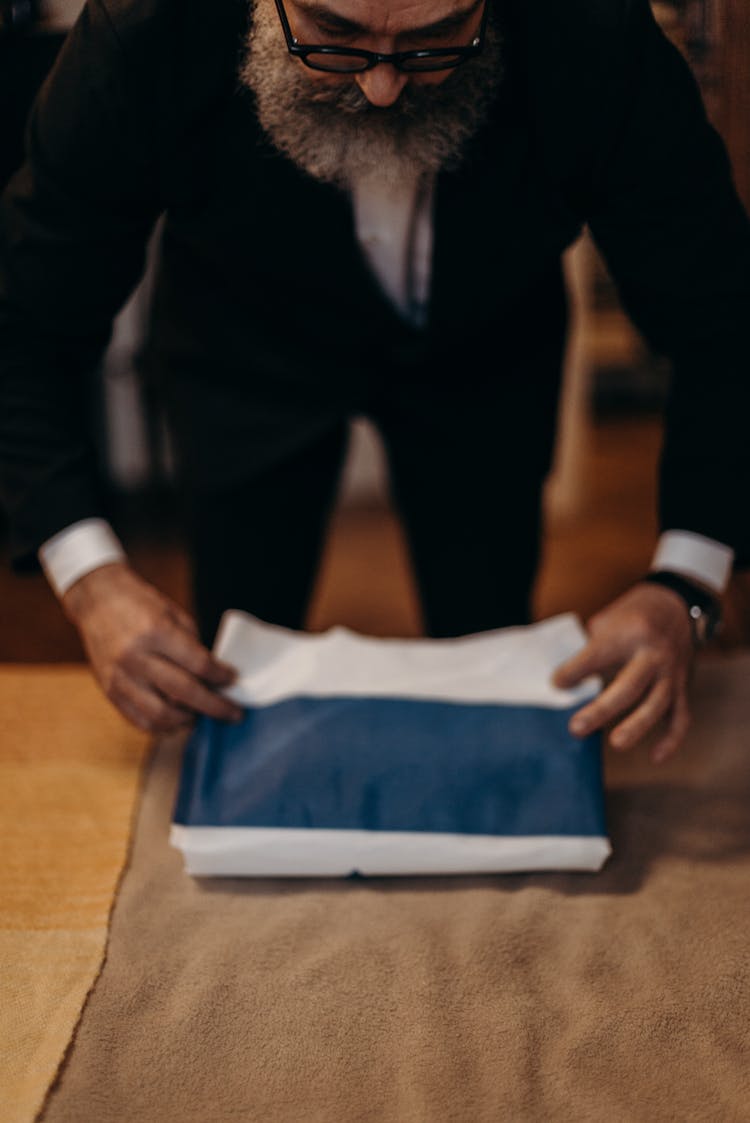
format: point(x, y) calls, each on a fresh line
point(394, 227)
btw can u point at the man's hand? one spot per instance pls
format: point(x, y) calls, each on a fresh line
point(643, 647)
point(144, 651)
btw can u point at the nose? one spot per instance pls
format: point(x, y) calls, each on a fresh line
point(382, 85)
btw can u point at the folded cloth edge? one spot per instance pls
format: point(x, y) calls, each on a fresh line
point(507, 665)
point(283, 852)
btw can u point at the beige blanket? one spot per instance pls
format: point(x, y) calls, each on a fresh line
point(620, 996)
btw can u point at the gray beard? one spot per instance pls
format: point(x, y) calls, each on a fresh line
point(333, 132)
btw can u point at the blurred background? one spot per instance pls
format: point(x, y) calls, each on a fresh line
point(601, 498)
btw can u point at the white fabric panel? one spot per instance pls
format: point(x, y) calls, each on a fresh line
point(510, 665)
point(228, 852)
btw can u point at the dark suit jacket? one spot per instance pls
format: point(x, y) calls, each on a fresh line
point(261, 287)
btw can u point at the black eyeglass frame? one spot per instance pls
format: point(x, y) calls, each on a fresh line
point(457, 55)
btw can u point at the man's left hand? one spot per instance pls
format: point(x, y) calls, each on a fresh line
point(642, 646)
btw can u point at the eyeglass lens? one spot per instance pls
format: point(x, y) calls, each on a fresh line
point(353, 64)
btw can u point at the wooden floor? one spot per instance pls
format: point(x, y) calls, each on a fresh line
point(592, 550)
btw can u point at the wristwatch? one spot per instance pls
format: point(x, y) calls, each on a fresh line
point(704, 608)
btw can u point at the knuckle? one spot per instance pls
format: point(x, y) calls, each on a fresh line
point(185, 621)
point(216, 708)
point(633, 726)
point(157, 625)
point(601, 715)
point(150, 636)
point(177, 694)
point(128, 656)
point(595, 625)
point(165, 718)
point(111, 683)
point(205, 666)
point(228, 713)
point(659, 654)
point(143, 722)
point(110, 690)
point(642, 634)
point(586, 715)
point(658, 666)
point(650, 647)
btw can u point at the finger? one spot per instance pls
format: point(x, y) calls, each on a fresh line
point(178, 685)
point(148, 710)
point(597, 656)
point(627, 688)
point(676, 732)
point(187, 652)
point(132, 713)
point(645, 717)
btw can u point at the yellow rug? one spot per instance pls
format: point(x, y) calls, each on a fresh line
point(70, 769)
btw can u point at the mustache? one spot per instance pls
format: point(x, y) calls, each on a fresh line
point(411, 105)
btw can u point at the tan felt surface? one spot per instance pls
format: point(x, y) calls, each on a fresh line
point(618, 996)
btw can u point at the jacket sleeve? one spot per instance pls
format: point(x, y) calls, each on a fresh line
point(74, 225)
point(667, 218)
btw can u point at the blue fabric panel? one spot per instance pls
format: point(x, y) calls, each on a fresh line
point(394, 765)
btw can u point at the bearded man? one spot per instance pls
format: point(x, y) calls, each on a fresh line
point(364, 211)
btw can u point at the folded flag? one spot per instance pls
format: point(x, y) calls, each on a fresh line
point(361, 755)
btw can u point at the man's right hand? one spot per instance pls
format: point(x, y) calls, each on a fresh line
point(145, 652)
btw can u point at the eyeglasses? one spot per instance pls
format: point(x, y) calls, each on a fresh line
point(350, 60)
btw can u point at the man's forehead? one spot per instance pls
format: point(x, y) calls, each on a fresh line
point(392, 17)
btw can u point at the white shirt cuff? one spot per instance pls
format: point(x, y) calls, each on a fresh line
point(76, 550)
point(693, 555)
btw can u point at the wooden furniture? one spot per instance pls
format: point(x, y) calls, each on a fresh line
point(735, 104)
